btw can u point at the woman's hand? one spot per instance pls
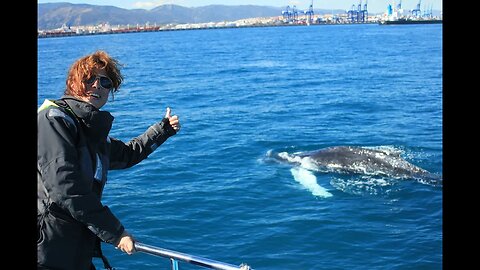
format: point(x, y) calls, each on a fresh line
point(127, 244)
point(174, 122)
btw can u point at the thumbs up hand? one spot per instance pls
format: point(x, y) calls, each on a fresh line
point(174, 122)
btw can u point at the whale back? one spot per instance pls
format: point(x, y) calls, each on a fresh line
point(367, 161)
point(364, 160)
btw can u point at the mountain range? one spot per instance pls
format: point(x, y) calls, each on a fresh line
point(54, 15)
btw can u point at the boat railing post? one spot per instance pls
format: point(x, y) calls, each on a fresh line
point(174, 264)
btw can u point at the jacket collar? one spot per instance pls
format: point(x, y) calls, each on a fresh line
point(97, 123)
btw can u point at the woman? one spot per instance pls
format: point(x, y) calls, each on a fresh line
point(74, 154)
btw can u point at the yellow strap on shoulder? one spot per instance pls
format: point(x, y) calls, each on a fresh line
point(46, 103)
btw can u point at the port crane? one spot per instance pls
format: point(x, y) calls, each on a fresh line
point(287, 14)
point(399, 7)
point(365, 10)
point(309, 13)
point(357, 14)
point(416, 11)
point(428, 13)
point(295, 13)
point(290, 15)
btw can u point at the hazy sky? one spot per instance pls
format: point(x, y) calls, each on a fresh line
point(374, 6)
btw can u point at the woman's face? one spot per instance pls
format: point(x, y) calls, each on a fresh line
point(97, 88)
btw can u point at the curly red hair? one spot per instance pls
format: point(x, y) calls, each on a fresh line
point(83, 68)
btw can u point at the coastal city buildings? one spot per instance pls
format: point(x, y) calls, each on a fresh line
point(289, 17)
point(106, 28)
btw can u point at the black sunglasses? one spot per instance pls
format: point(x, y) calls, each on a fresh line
point(105, 82)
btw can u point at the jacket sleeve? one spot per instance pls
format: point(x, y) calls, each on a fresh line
point(67, 186)
point(125, 155)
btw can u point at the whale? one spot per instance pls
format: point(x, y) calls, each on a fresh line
point(374, 161)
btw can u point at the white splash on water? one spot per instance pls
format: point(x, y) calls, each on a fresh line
point(265, 64)
point(307, 179)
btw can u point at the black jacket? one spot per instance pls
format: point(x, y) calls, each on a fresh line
point(74, 154)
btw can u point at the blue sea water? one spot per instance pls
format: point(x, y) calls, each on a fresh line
point(212, 191)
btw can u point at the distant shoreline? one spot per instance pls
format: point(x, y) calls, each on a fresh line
point(52, 34)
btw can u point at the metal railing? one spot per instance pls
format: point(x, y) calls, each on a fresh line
point(176, 256)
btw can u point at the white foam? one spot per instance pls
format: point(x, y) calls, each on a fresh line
point(289, 158)
point(309, 164)
point(309, 181)
point(265, 64)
